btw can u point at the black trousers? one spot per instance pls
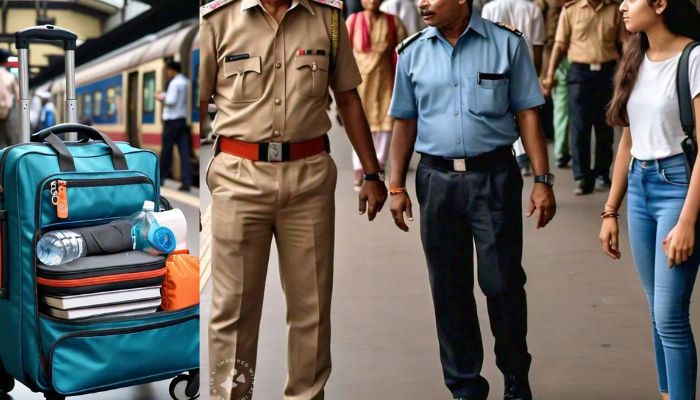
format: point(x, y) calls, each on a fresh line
point(589, 94)
point(176, 132)
point(460, 210)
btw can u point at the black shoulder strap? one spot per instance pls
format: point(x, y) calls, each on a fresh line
point(685, 100)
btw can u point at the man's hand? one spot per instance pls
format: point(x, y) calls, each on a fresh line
point(160, 96)
point(547, 85)
point(372, 198)
point(542, 200)
point(400, 204)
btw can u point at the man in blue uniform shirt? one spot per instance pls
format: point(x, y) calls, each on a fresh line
point(461, 87)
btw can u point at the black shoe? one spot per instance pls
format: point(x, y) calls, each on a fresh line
point(184, 188)
point(584, 186)
point(481, 391)
point(563, 161)
point(517, 388)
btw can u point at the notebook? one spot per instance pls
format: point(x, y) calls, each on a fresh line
point(103, 298)
point(143, 307)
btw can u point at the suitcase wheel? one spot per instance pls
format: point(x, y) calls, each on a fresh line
point(185, 387)
point(54, 396)
point(7, 383)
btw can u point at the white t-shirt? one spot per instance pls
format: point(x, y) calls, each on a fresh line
point(524, 15)
point(655, 119)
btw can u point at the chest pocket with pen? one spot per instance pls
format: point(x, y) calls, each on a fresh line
point(489, 94)
point(311, 74)
point(243, 78)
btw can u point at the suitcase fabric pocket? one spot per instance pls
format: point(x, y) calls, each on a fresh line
point(134, 350)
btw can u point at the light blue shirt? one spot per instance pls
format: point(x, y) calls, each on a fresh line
point(175, 103)
point(465, 97)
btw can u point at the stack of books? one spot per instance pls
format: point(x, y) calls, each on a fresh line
point(125, 302)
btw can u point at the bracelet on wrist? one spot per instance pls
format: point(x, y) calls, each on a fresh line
point(397, 190)
point(610, 214)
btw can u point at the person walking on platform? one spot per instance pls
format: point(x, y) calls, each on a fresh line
point(407, 10)
point(661, 183)
point(9, 93)
point(526, 17)
point(175, 129)
point(373, 37)
point(560, 90)
point(468, 183)
point(268, 65)
point(47, 117)
point(591, 33)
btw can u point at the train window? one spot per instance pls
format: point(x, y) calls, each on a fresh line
point(97, 110)
point(111, 101)
point(149, 92)
point(87, 105)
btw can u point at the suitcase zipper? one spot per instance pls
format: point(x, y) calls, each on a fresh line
point(114, 331)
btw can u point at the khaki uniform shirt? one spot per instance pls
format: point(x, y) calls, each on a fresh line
point(270, 81)
point(591, 34)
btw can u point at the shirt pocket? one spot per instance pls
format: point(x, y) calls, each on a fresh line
point(244, 80)
point(311, 75)
point(582, 28)
point(489, 95)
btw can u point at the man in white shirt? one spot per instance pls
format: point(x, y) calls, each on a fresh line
point(9, 92)
point(175, 129)
point(525, 16)
point(407, 11)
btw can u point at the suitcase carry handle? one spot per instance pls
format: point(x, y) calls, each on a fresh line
point(45, 33)
point(66, 163)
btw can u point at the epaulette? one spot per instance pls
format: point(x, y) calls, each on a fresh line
point(407, 42)
point(570, 3)
point(509, 28)
point(331, 3)
point(210, 7)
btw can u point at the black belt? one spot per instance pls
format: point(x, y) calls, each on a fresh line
point(490, 161)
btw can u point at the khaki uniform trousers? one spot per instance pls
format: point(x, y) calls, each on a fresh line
point(252, 202)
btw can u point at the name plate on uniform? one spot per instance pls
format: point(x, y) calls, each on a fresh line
point(596, 67)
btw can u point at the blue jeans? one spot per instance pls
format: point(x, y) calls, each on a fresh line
point(656, 193)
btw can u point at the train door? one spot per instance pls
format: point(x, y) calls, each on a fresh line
point(132, 119)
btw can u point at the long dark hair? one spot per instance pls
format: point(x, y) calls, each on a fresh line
point(681, 18)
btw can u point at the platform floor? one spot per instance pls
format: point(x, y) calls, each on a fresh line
point(589, 328)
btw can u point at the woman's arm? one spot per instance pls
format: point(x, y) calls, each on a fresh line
point(680, 242)
point(609, 231)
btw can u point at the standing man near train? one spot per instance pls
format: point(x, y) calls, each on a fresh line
point(268, 64)
point(175, 129)
point(459, 86)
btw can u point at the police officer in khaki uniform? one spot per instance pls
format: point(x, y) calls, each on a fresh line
point(591, 33)
point(268, 65)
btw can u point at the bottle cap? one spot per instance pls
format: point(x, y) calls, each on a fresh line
point(149, 205)
point(162, 239)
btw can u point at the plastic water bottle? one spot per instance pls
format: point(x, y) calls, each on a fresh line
point(60, 247)
point(148, 235)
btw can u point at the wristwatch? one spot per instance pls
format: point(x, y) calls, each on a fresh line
point(377, 176)
point(547, 179)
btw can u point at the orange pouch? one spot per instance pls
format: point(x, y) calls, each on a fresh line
point(181, 286)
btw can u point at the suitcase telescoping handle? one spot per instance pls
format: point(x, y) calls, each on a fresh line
point(65, 158)
point(45, 33)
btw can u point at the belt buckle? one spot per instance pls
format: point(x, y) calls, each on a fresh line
point(459, 165)
point(596, 67)
point(274, 152)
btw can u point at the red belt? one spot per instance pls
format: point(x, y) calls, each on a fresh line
point(272, 151)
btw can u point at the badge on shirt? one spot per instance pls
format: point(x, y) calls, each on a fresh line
point(303, 52)
point(236, 57)
point(484, 76)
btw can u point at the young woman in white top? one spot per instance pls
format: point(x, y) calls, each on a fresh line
point(663, 191)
